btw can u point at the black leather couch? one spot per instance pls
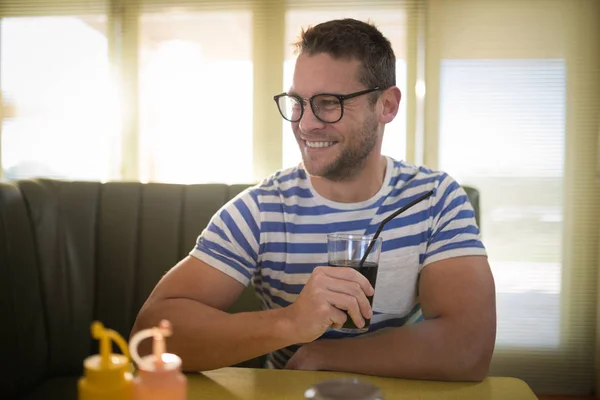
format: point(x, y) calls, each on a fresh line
point(74, 252)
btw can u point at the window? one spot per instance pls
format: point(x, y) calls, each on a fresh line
point(512, 109)
point(502, 131)
point(196, 97)
point(55, 79)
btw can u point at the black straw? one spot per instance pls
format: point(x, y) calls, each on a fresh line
point(388, 219)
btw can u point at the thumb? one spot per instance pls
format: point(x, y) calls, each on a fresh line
point(292, 363)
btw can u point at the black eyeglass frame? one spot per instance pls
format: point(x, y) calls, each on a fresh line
point(340, 97)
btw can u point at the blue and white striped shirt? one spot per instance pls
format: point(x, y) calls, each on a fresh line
point(274, 234)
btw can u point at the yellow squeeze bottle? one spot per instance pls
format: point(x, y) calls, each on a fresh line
point(106, 375)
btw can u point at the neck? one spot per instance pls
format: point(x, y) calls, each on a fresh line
point(360, 187)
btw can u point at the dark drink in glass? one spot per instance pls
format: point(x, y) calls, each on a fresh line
point(348, 250)
point(369, 271)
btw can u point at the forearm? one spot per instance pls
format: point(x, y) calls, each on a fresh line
point(432, 349)
point(206, 338)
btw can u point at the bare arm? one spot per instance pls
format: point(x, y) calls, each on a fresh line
point(454, 342)
point(193, 297)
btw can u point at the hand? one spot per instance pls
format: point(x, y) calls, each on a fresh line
point(328, 291)
point(305, 358)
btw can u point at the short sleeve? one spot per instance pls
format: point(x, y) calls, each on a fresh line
point(230, 242)
point(454, 230)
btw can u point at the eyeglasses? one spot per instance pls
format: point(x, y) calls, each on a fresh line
point(327, 107)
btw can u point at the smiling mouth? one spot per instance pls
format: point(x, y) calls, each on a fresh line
point(318, 145)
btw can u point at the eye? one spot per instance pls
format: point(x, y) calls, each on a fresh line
point(327, 103)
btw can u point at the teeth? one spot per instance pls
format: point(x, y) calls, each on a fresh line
point(318, 144)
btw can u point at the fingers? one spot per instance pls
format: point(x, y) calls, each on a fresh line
point(356, 298)
point(347, 274)
point(337, 318)
point(349, 303)
point(326, 295)
point(354, 292)
point(355, 301)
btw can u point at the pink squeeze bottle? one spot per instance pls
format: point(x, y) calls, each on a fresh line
point(159, 374)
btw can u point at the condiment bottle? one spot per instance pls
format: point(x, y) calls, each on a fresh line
point(106, 375)
point(159, 374)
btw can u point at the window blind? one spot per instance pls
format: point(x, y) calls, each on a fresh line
point(512, 109)
point(31, 8)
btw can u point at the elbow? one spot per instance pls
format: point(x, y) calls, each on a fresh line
point(478, 371)
point(475, 350)
point(469, 368)
point(138, 325)
point(475, 361)
point(147, 317)
point(140, 322)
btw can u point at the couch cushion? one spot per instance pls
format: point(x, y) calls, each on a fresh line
point(73, 252)
point(64, 216)
point(473, 195)
point(60, 388)
point(144, 230)
point(117, 251)
point(200, 203)
point(24, 345)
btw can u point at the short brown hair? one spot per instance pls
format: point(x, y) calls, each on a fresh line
point(351, 39)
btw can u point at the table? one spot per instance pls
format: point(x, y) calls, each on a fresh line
point(265, 384)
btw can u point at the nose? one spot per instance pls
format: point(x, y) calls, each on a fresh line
point(309, 122)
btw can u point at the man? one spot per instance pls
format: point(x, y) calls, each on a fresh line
point(433, 314)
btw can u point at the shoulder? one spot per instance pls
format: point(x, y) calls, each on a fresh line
point(280, 184)
point(409, 180)
point(407, 176)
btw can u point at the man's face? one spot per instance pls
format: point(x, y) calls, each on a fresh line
point(335, 151)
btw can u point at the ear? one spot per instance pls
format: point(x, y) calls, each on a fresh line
point(390, 102)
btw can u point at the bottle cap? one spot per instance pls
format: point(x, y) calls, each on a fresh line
point(107, 368)
point(159, 360)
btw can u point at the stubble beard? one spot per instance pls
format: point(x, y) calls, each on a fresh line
point(353, 157)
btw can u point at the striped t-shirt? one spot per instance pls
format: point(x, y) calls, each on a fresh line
point(274, 234)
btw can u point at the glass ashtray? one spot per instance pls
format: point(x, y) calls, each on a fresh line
point(343, 389)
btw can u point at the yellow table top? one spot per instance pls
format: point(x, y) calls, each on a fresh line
point(266, 384)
